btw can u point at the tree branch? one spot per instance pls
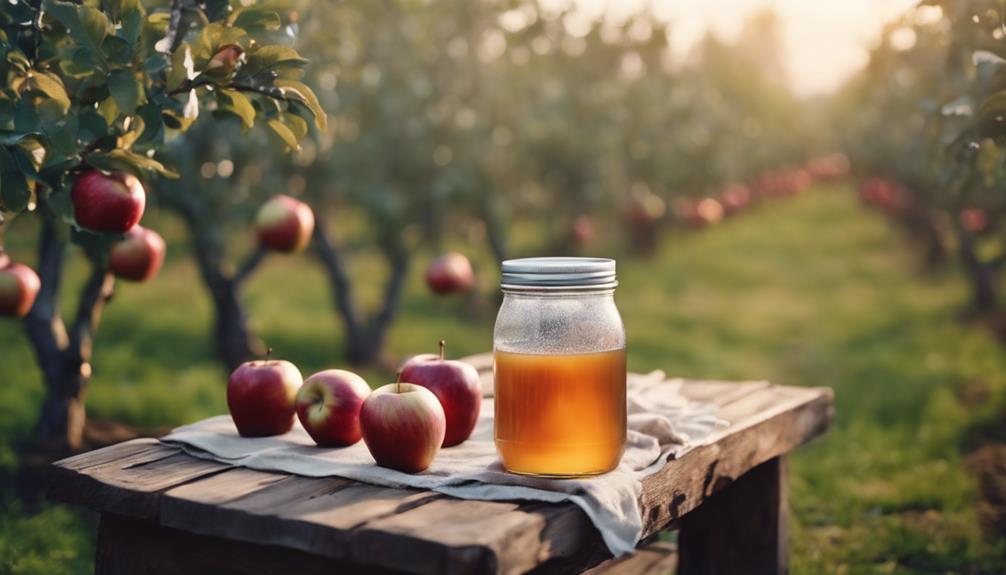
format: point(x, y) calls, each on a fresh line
point(392, 294)
point(250, 264)
point(97, 291)
point(331, 260)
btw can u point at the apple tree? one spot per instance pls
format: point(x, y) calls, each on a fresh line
point(91, 93)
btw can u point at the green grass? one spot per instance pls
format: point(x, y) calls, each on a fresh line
point(809, 291)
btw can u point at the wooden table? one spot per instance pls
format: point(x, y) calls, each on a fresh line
point(164, 512)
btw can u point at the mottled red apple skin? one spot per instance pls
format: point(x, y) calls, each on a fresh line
point(404, 430)
point(261, 396)
point(328, 405)
point(450, 273)
point(139, 256)
point(107, 202)
point(284, 224)
point(19, 285)
point(456, 385)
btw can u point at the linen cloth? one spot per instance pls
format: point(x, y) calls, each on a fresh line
point(662, 425)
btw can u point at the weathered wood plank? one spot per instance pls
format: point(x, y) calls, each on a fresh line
point(128, 546)
point(657, 558)
point(315, 515)
point(130, 485)
point(741, 529)
point(755, 437)
point(720, 392)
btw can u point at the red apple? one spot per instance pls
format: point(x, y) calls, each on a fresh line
point(583, 230)
point(225, 60)
point(450, 273)
point(139, 256)
point(4, 260)
point(19, 285)
point(403, 426)
point(456, 384)
point(284, 224)
point(262, 395)
point(107, 202)
point(328, 405)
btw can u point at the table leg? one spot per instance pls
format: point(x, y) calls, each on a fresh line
point(741, 529)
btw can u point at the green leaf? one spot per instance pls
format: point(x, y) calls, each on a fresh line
point(117, 50)
point(82, 62)
point(285, 134)
point(182, 68)
point(87, 26)
point(124, 160)
point(50, 85)
point(11, 137)
point(212, 37)
point(109, 110)
point(14, 191)
point(60, 204)
point(252, 18)
point(239, 105)
point(92, 126)
point(296, 124)
point(153, 126)
point(305, 95)
point(119, 9)
point(268, 57)
point(127, 90)
point(96, 245)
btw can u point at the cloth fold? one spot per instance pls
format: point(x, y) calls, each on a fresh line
point(662, 425)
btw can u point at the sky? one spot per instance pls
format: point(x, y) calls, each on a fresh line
point(825, 41)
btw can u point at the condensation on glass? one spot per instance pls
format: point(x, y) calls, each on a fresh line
point(559, 365)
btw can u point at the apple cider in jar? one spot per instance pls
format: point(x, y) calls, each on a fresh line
point(559, 351)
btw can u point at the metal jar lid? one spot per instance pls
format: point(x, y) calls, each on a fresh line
point(558, 273)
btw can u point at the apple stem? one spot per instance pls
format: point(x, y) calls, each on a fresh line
point(268, 354)
point(443, 346)
point(398, 382)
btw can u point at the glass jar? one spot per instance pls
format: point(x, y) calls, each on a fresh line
point(559, 366)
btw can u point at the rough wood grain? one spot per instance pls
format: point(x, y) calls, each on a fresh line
point(741, 529)
point(422, 532)
point(128, 546)
point(768, 423)
point(657, 558)
point(129, 485)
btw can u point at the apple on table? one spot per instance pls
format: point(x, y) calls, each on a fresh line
point(261, 396)
point(455, 384)
point(328, 405)
point(403, 426)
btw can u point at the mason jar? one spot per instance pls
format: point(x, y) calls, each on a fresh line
point(559, 366)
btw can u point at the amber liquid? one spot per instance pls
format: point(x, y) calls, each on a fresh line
point(560, 415)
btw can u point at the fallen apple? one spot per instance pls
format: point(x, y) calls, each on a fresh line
point(261, 396)
point(139, 256)
point(284, 224)
point(457, 387)
point(450, 273)
point(328, 405)
point(107, 202)
point(403, 426)
point(19, 285)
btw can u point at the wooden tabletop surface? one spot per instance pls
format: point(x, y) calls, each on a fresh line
point(421, 531)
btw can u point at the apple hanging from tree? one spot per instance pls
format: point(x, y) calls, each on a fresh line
point(19, 285)
point(139, 256)
point(4, 260)
point(450, 273)
point(457, 387)
point(403, 426)
point(328, 405)
point(107, 202)
point(261, 396)
point(284, 224)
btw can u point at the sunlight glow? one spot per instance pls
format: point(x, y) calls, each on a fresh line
point(825, 41)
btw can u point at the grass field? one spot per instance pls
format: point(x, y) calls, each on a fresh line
point(809, 291)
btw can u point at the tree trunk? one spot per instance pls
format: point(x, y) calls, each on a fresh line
point(62, 417)
point(982, 275)
point(235, 342)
